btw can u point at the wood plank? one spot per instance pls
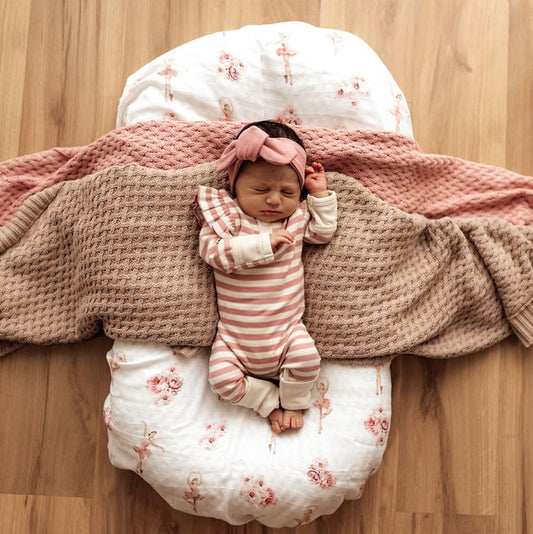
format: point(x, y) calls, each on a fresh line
point(460, 452)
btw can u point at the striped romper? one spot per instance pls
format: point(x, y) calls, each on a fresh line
point(260, 294)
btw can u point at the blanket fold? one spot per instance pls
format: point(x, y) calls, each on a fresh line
point(392, 166)
point(117, 251)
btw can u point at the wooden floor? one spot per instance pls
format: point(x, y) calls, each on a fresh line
point(460, 454)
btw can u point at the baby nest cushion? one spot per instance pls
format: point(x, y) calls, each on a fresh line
point(290, 71)
point(209, 458)
point(205, 456)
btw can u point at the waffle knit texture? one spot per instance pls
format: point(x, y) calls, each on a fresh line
point(118, 251)
point(391, 165)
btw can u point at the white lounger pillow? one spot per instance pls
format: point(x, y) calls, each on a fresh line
point(291, 71)
point(205, 456)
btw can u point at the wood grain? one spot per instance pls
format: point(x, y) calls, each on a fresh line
point(460, 453)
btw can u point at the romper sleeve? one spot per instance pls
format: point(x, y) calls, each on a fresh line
point(322, 213)
point(221, 244)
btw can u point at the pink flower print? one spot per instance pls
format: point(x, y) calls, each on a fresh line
point(353, 90)
point(230, 66)
point(213, 432)
point(165, 385)
point(289, 116)
point(319, 475)
point(378, 424)
point(256, 492)
point(194, 481)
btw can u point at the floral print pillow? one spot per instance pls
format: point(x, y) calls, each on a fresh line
point(208, 457)
point(290, 71)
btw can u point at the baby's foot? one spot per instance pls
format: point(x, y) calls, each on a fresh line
point(293, 419)
point(276, 420)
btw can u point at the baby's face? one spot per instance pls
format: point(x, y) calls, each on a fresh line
point(267, 192)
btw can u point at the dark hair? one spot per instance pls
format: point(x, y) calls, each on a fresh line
point(276, 129)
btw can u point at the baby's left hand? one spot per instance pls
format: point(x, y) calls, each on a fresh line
point(315, 180)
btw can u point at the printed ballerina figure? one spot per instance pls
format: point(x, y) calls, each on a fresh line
point(379, 381)
point(335, 38)
point(226, 106)
point(286, 54)
point(115, 358)
point(143, 450)
point(398, 110)
point(194, 481)
point(273, 444)
point(306, 517)
point(322, 403)
point(107, 417)
point(168, 73)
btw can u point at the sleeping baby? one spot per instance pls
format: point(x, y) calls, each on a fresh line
point(263, 357)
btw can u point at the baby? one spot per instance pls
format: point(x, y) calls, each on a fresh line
point(253, 237)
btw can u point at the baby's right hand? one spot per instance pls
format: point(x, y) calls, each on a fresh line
point(278, 237)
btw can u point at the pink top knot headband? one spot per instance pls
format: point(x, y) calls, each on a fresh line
point(255, 143)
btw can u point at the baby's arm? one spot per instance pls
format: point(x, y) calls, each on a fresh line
point(315, 180)
point(322, 206)
point(234, 253)
point(280, 236)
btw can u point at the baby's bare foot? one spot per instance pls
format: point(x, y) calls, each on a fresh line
point(276, 420)
point(293, 419)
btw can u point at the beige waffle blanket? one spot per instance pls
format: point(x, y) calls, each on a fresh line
point(117, 251)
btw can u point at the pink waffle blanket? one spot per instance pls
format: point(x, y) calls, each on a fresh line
point(392, 166)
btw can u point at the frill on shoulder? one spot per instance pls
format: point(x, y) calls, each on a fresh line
point(218, 209)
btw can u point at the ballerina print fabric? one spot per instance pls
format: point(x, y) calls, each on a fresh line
point(290, 71)
point(209, 458)
point(202, 455)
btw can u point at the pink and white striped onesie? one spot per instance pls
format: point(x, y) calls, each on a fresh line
point(260, 297)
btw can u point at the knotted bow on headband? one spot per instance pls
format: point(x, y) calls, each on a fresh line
point(255, 143)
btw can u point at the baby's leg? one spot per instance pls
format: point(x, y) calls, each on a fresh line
point(228, 379)
point(299, 372)
point(226, 373)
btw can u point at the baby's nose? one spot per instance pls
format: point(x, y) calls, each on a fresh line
point(273, 198)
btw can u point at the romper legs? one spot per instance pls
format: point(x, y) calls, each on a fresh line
point(229, 380)
point(299, 370)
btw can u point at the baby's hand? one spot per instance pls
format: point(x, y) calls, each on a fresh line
point(278, 237)
point(315, 180)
